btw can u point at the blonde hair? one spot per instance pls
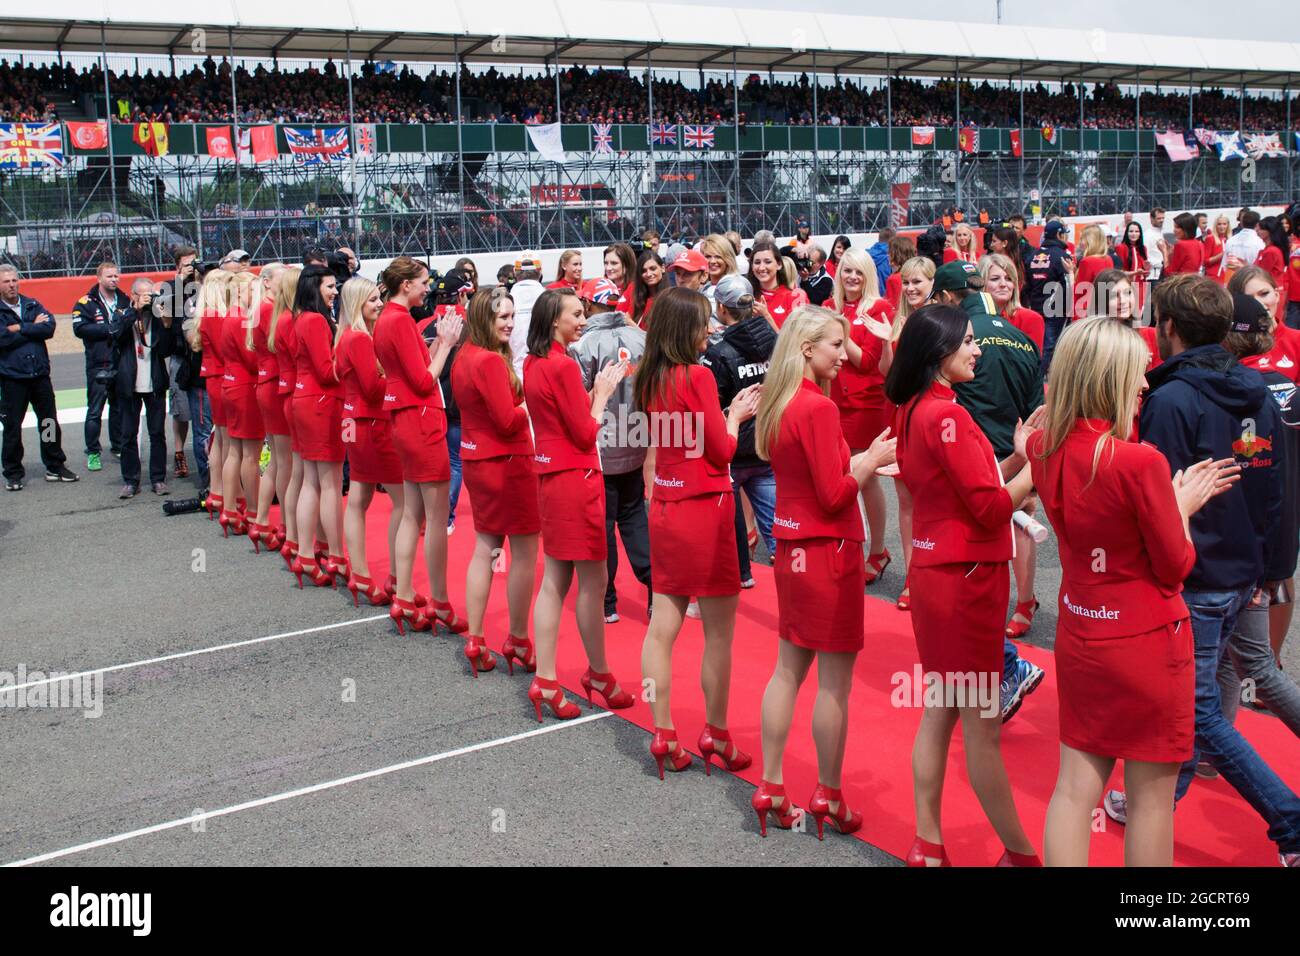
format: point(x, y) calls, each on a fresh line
point(354, 295)
point(1005, 263)
point(785, 372)
point(1092, 242)
point(261, 294)
point(858, 259)
point(917, 264)
point(1221, 218)
point(567, 256)
point(239, 282)
point(214, 299)
point(1096, 372)
point(789, 272)
point(958, 230)
point(285, 293)
point(720, 246)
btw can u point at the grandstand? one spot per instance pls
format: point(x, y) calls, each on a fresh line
point(820, 114)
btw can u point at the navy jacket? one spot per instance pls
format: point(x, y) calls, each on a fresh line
point(162, 343)
point(738, 360)
point(90, 323)
point(1203, 404)
point(1046, 291)
point(23, 353)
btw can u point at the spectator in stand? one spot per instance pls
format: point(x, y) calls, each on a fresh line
point(91, 316)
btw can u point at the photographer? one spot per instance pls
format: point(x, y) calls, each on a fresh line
point(142, 341)
point(176, 299)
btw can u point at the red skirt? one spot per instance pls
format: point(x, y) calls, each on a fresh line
point(1132, 698)
point(572, 504)
point(693, 546)
point(503, 493)
point(420, 437)
point(316, 419)
point(216, 400)
point(371, 455)
point(819, 587)
point(860, 426)
point(287, 402)
point(271, 404)
point(959, 616)
point(243, 419)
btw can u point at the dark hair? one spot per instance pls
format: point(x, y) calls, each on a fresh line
point(931, 334)
point(313, 255)
point(643, 293)
point(931, 244)
point(754, 250)
point(1013, 251)
point(681, 317)
point(1140, 246)
point(541, 326)
point(337, 263)
point(1276, 234)
point(901, 249)
point(1103, 293)
point(180, 252)
point(1186, 223)
point(400, 270)
point(1249, 219)
point(846, 242)
point(308, 297)
point(1200, 308)
point(627, 257)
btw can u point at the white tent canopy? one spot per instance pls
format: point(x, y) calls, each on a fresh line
point(626, 32)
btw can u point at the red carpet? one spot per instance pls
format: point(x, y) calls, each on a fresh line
point(1213, 825)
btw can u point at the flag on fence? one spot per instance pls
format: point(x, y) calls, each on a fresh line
point(366, 142)
point(257, 144)
point(900, 195)
point(93, 135)
point(1206, 137)
point(663, 134)
point(697, 137)
point(1229, 146)
point(602, 137)
point(311, 147)
point(151, 137)
point(546, 140)
point(219, 142)
point(1175, 144)
point(1049, 134)
point(1016, 149)
point(30, 145)
point(1259, 145)
point(922, 135)
point(969, 140)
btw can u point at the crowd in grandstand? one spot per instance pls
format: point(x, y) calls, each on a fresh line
point(405, 95)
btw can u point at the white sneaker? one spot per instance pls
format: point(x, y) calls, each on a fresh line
point(693, 610)
point(451, 529)
point(612, 618)
point(1116, 806)
point(748, 583)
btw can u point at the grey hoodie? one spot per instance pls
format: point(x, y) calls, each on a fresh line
point(605, 336)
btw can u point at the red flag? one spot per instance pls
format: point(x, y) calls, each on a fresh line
point(258, 144)
point(922, 135)
point(88, 135)
point(219, 142)
point(1015, 142)
point(151, 137)
point(899, 200)
point(969, 139)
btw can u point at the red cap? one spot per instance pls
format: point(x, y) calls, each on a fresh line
point(692, 260)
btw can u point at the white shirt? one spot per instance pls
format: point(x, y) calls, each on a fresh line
point(1245, 245)
point(143, 363)
point(525, 293)
point(1151, 237)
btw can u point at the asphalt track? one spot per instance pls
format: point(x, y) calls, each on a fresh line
point(251, 755)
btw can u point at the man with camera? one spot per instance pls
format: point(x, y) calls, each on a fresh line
point(90, 323)
point(176, 299)
point(143, 340)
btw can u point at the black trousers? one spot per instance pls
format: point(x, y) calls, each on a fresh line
point(155, 409)
point(15, 395)
point(625, 507)
point(99, 394)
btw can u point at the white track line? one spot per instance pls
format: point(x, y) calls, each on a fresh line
point(304, 791)
point(202, 650)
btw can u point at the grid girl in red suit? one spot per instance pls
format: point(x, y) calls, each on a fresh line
point(496, 451)
point(692, 521)
point(566, 421)
point(366, 434)
point(818, 561)
point(281, 341)
point(1123, 638)
point(419, 425)
point(961, 545)
point(275, 481)
point(243, 420)
point(210, 308)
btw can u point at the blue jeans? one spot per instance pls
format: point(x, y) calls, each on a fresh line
point(759, 485)
point(200, 431)
point(453, 452)
point(1250, 658)
point(1214, 617)
point(1010, 658)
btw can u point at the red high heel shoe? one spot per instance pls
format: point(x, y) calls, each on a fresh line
point(241, 508)
point(904, 602)
point(213, 503)
point(231, 523)
point(561, 708)
point(375, 594)
point(321, 550)
point(315, 574)
point(273, 537)
point(763, 802)
point(289, 551)
point(1026, 609)
point(453, 624)
point(406, 612)
point(1018, 859)
point(519, 649)
point(876, 564)
point(846, 821)
point(256, 534)
point(661, 748)
point(339, 568)
point(391, 587)
point(479, 655)
point(710, 736)
point(619, 701)
point(923, 849)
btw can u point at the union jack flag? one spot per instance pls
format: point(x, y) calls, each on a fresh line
point(602, 137)
point(698, 137)
point(663, 134)
point(24, 145)
point(314, 146)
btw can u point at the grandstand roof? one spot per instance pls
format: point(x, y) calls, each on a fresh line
point(623, 32)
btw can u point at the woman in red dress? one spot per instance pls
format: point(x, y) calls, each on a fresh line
point(773, 295)
point(818, 561)
point(1216, 267)
point(419, 426)
point(1273, 258)
point(963, 245)
point(210, 309)
point(281, 342)
point(1002, 282)
point(317, 411)
point(367, 435)
point(1093, 259)
point(692, 521)
point(275, 480)
point(1117, 299)
point(649, 282)
point(571, 498)
point(1132, 252)
point(1123, 639)
point(569, 274)
point(620, 269)
point(961, 530)
point(243, 420)
point(496, 451)
point(858, 391)
point(1188, 254)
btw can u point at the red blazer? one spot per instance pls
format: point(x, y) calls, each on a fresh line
point(1132, 262)
point(241, 363)
point(862, 387)
point(1188, 256)
point(563, 430)
point(780, 303)
point(268, 368)
point(1029, 322)
point(894, 289)
point(696, 460)
point(493, 423)
point(961, 512)
point(210, 328)
point(1148, 333)
point(363, 385)
point(816, 497)
point(1215, 270)
point(1085, 293)
point(405, 357)
point(286, 352)
point(1123, 551)
point(1293, 273)
point(314, 360)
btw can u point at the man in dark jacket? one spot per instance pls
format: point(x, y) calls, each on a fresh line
point(814, 280)
point(739, 359)
point(1049, 270)
point(90, 323)
point(142, 342)
point(25, 380)
point(1202, 404)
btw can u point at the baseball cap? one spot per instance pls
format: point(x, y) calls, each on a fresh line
point(453, 282)
point(1249, 314)
point(732, 291)
point(691, 261)
point(600, 291)
point(236, 255)
point(955, 276)
point(1053, 229)
point(674, 252)
point(528, 262)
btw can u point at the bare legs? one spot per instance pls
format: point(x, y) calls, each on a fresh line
point(320, 501)
point(217, 462)
point(556, 579)
point(289, 500)
point(485, 562)
point(1022, 569)
point(354, 526)
point(275, 480)
point(407, 539)
point(718, 615)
